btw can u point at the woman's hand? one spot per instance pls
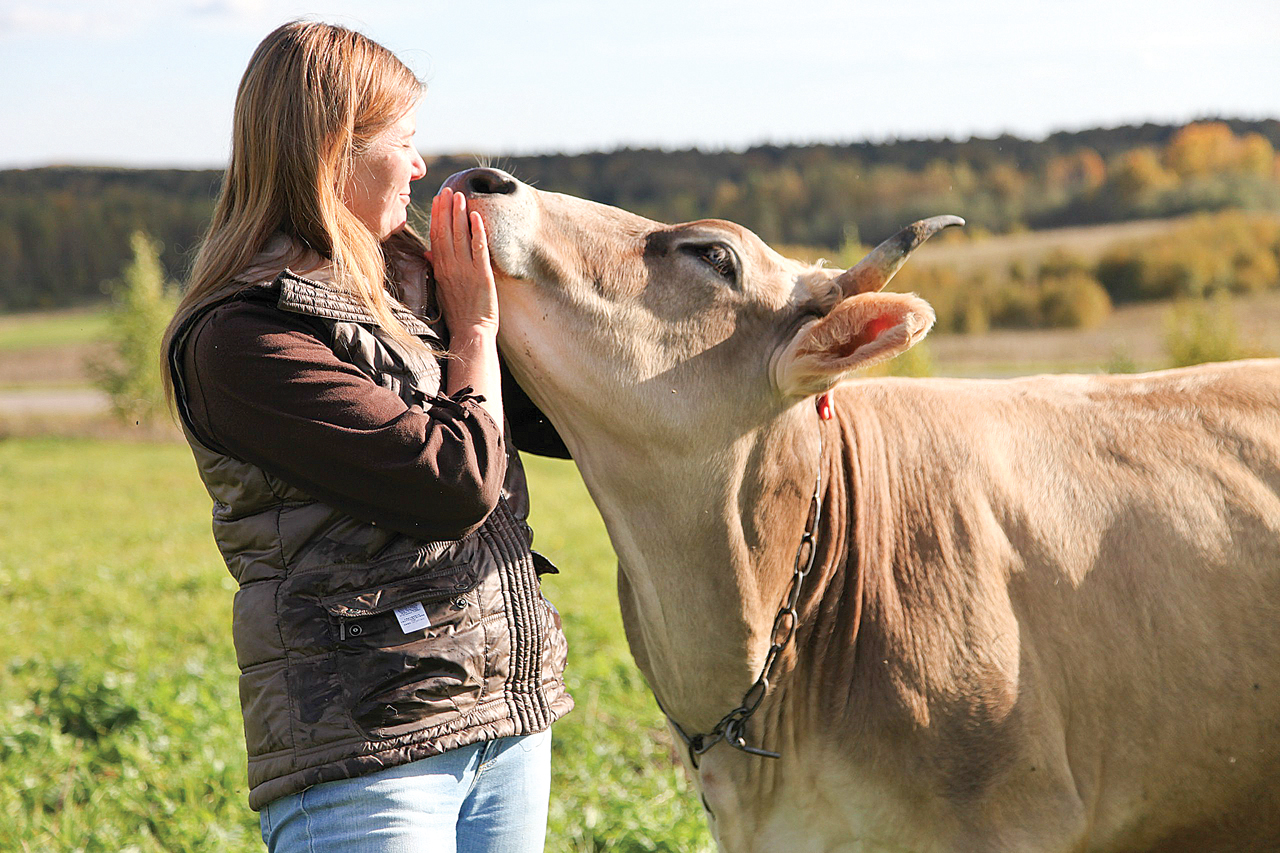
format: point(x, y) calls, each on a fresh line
point(468, 299)
point(465, 288)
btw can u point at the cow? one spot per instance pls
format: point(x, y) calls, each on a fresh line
point(1037, 615)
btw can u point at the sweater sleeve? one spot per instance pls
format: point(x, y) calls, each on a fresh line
point(263, 387)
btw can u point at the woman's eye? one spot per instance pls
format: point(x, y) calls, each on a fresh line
point(720, 258)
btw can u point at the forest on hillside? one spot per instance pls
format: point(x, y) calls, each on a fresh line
point(64, 232)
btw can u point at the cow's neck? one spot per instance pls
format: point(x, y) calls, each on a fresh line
point(706, 545)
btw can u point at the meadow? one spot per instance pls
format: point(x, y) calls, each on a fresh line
point(119, 718)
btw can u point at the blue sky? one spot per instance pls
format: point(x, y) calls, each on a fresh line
point(151, 83)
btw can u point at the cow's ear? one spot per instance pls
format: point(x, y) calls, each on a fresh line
point(859, 332)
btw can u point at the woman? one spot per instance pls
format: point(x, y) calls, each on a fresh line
point(400, 668)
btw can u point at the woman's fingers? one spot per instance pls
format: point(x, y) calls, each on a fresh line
point(453, 227)
point(450, 231)
point(441, 225)
point(460, 229)
point(485, 292)
point(479, 243)
point(464, 277)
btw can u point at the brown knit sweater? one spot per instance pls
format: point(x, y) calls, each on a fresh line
point(263, 387)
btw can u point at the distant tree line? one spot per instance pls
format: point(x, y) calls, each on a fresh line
point(64, 231)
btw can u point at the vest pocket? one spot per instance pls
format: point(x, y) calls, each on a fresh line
point(408, 652)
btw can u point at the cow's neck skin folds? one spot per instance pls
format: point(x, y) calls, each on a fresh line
point(699, 602)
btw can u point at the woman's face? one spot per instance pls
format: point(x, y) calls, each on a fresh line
point(378, 190)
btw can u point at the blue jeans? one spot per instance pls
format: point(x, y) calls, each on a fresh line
point(490, 797)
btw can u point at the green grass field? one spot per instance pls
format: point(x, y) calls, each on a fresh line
point(52, 328)
point(119, 718)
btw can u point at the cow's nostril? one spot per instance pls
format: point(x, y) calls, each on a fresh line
point(489, 182)
point(481, 181)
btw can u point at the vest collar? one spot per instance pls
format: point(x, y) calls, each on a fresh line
point(307, 296)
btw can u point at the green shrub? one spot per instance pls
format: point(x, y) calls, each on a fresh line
point(1014, 305)
point(143, 304)
point(1200, 331)
point(1075, 300)
point(1254, 269)
point(1121, 361)
point(1120, 272)
point(1060, 263)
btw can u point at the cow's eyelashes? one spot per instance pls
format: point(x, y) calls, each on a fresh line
point(718, 256)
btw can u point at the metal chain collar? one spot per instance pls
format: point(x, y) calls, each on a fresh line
point(732, 728)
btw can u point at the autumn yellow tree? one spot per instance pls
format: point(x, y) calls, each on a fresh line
point(1083, 170)
point(1257, 155)
point(1210, 148)
point(1202, 148)
point(1138, 173)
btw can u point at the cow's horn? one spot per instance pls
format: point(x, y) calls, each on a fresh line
point(874, 271)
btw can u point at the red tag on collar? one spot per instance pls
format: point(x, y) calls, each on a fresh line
point(824, 406)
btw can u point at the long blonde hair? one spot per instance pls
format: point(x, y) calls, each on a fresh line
point(313, 98)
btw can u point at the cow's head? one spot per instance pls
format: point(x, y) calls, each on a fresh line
point(647, 331)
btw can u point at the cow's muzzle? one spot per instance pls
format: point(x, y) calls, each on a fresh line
point(481, 182)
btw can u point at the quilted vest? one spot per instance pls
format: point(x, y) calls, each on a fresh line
point(332, 685)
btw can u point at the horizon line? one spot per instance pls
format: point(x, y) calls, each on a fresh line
point(886, 140)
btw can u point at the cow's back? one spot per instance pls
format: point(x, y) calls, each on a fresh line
point(1084, 573)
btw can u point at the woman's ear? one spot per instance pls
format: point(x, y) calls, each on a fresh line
point(859, 332)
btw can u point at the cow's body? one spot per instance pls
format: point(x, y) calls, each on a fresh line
point(1046, 618)
point(1043, 615)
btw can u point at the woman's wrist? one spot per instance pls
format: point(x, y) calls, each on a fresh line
point(473, 334)
point(474, 363)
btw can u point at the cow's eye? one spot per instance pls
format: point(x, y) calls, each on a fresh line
point(720, 258)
